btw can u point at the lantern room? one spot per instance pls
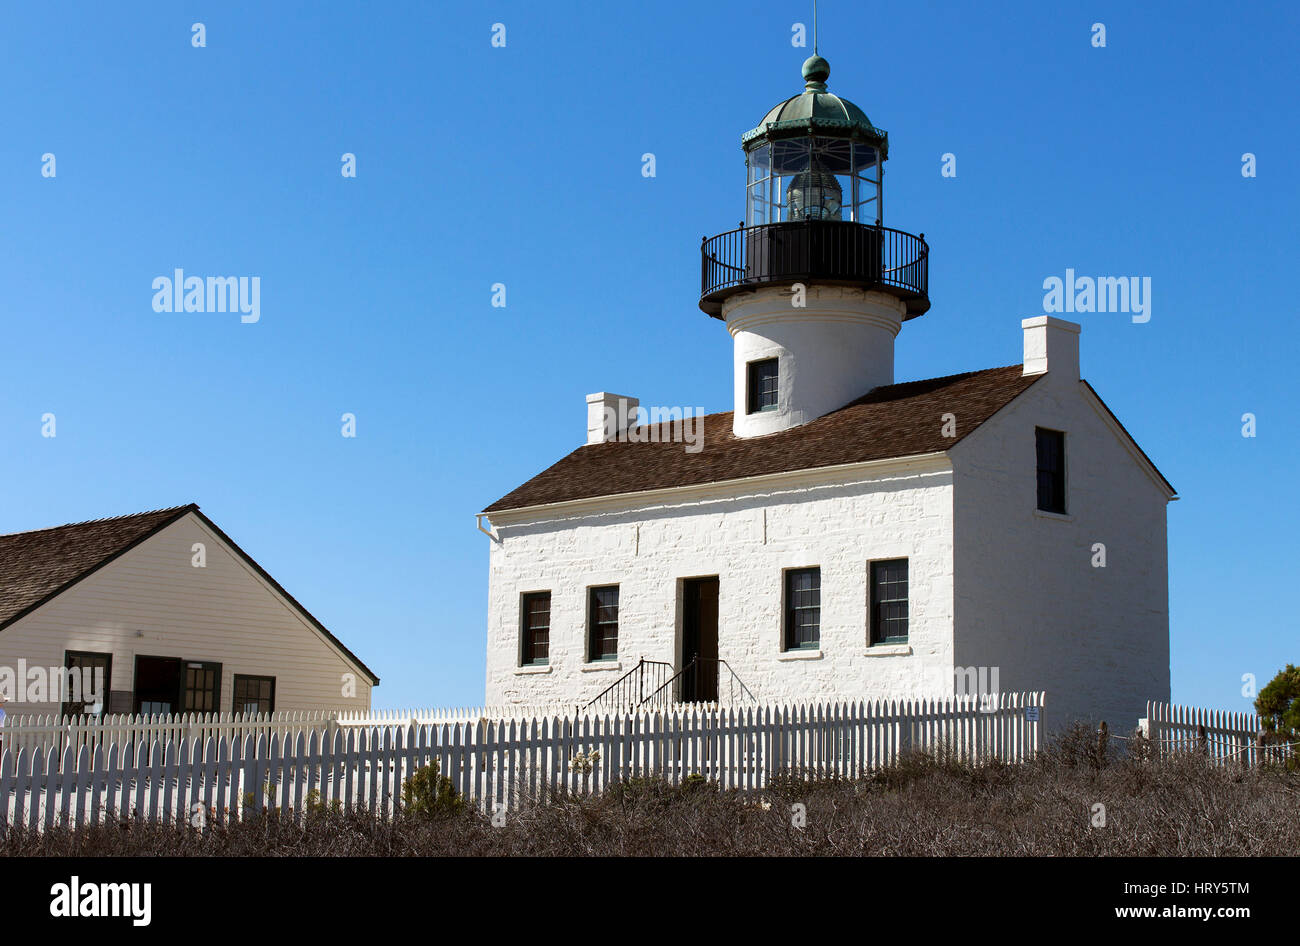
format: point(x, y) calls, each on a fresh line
point(815, 157)
point(814, 207)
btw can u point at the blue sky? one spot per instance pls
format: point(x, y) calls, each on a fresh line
point(522, 165)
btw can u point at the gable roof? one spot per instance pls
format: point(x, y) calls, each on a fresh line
point(35, 566)
point(38, 566)
point(895, 420)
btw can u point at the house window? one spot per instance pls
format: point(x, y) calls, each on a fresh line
point(1051, 469)
point(254, 694)
point(762, 385)
point(889, 602)
point(803, 608)
point(602, 622)
point(537, 628)
point(202, 688)
point(87, 683)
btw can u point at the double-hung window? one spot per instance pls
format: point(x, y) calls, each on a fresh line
point(535, 647)
point(254, 694)
point(1050, 445)
point(762, 379)
point(803, 608)
point(889, 601)
point(602, 623)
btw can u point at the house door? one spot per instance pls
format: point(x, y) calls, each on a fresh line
point(170, 685)
point(157, 685)
point(699, 684)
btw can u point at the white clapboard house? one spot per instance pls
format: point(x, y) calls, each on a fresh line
point(838, 533)
point(171, 614)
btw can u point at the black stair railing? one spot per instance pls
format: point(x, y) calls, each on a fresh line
point(702, 680)
point(635, 686)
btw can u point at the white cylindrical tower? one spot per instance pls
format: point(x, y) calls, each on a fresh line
point(813, 288)
point(834, 349)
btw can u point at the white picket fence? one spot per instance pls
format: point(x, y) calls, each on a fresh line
point(54, 733)
point(1220, 735)
point(496, 762)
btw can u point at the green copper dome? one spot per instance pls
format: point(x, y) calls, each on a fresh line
point(816, 111)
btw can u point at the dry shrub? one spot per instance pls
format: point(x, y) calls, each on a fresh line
point(926, 804)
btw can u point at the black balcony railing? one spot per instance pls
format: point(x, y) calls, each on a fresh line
point(831, 251)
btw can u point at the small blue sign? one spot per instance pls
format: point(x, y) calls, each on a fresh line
point(1031, 714)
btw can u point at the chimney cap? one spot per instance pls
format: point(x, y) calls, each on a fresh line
point(1051, 344)
point(608, 415)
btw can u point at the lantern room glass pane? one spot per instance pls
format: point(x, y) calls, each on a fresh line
point(758, 164)
point(813, 178)
point(833, 154)
point(866, 184)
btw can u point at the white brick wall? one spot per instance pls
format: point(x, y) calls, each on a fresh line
point(896, 510)
point(1028, 599)
point(1025, 600)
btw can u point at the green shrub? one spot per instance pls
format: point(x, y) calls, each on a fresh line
point(313, 805)
point(693, 782)
point(431, 794)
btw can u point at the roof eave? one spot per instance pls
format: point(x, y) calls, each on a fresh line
point(1140, 454)
point(517, 514)
point(180, 512)
point(796, 127)
point(266, 576)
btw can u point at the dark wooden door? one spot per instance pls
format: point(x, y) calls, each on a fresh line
point(699, 640)
point(157, 685)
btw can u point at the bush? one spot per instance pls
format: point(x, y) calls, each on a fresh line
point(314, 806)
point(925, 805)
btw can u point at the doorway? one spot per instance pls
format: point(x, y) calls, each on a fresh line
point(165, 685)
point(699, 684)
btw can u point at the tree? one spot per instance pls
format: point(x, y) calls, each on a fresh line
point(1278, 704)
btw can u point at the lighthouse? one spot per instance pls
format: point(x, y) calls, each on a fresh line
point(813, 287)
point(841, 531)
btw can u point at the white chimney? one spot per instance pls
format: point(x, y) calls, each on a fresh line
point(1051, 344)
point(608, 415)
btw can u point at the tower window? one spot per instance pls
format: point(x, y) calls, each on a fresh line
point(1051, 469)
point(803, 608)
point(762, 385)
point(889, 602)
point(536, 643)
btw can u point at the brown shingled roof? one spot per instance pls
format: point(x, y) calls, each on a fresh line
point(40, 565)
point(35, 566)
point(895, 420)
